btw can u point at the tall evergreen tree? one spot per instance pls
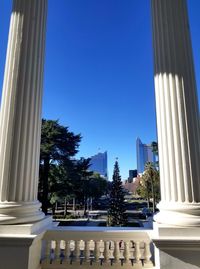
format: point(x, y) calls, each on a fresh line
point(116, 211)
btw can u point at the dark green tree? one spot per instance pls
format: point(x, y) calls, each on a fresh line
point(60, 185)
point(116, 211)
point(98, 186)
point(81, 175)
point(58, 146)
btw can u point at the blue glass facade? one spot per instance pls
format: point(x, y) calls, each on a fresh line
point(98, 163)
point(144, 155)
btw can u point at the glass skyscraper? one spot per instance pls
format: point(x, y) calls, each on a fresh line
point(98, 163)
point(144, 155)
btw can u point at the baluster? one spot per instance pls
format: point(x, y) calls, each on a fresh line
point(131, 251)
point(82, 250)
point(147, 254)
point(90, 251)
point(110, 248)
point(142, 247)
point(101, 251)
point(121, 251)
point(137, 252)
point(73, 251)
point(52, 251)
point(62, 251)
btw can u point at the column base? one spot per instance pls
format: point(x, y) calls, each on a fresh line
point(176, 247)
point(21, 245)
point(26, 229)
point(20, 212)
point(178, 214)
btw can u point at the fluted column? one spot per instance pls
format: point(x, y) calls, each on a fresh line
point(177, 115)
point(20, 116)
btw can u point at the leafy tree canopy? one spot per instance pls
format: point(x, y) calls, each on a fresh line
point(57, 142)
point(149, 187)
point(58, 146)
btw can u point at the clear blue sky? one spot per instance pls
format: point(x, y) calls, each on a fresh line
point(99, 72)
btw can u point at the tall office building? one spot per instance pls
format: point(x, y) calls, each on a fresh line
point(144, 155)
point(98, 163)
point(132, 175)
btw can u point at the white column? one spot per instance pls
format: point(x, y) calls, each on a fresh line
point(20, 116)
point(177, 115)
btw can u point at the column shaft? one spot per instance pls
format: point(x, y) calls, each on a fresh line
point(177, 114)
point(21, 113)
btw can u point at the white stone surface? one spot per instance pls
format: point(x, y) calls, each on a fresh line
point(177, 115)
point(177, 233)
point(20, 115)
point(25, 229)
point(176, 247)
point(20, 245)
point(22, 253)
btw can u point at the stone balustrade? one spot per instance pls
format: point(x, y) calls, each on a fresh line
point(73, 247)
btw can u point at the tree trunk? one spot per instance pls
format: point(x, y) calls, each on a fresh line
point(91, 200)
point(45, 201)
point(74, 204)
point(65, 207)
point(153, 194)
point(85, 205)
point(53, 209)
point(148, 206)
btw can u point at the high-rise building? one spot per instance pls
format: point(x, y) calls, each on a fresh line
point(132, 175)
point(98, 163)
point(144, 155)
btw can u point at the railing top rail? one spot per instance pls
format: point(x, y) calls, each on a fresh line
point(97, 233)
point(100, 229)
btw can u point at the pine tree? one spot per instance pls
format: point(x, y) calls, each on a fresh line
point(116, 211)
